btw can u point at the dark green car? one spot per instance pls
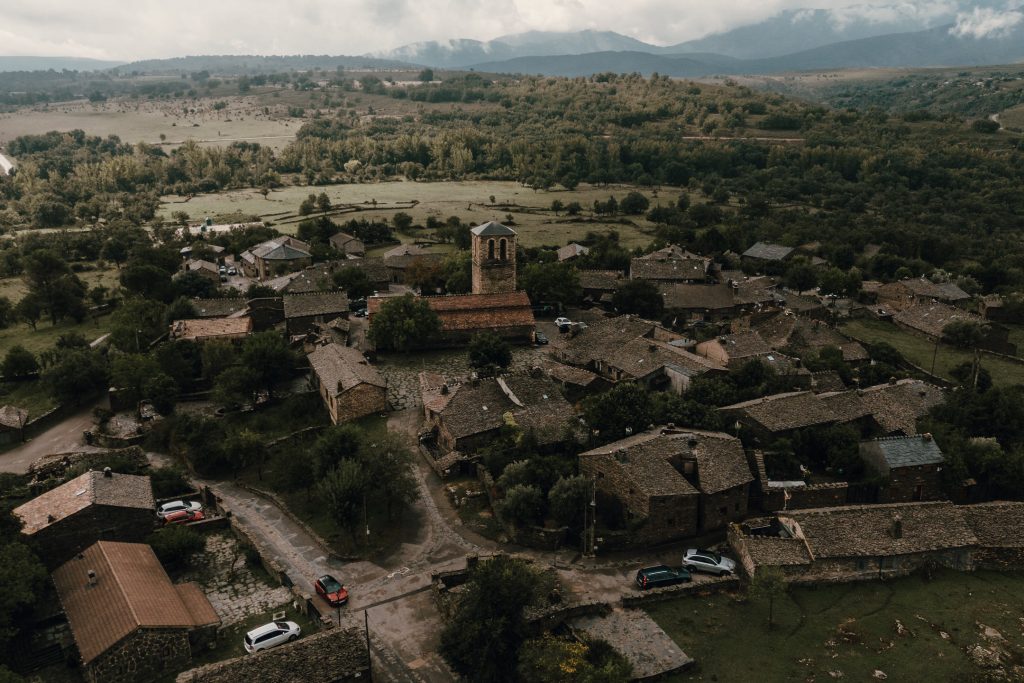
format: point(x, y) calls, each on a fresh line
point(661, 575)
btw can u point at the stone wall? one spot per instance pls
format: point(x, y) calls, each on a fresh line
point(718, 583)
point(844, 569)
point(62, 540)
point(359, 401)
point(999, 559)
point(718, 509)
point(832, 494)
point(51, 466)
point(903, 483)
point(143, 656)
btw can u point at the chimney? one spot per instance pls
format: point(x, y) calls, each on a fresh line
point(108, 473)
point(892, 381)
point(50, 519)
point(444, 389)
point(91, 575)
point(621, 455)
point(897, 525)
point(926, 436)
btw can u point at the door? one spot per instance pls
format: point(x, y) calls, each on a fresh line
point(918, 492)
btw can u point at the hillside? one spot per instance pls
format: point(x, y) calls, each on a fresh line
point(55, 63)
point(250, 64)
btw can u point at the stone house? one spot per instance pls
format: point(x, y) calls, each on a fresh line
point(219, 308)
point(208, 270)
point(348, 244)
point(673, 482)
point(599, 285)
point(466, 416)
point(334, 655)
point(911, 465)
point(797, 335)
point(507, 314)
point(733, 350)
point(129, 622)
point(571, 251)
point(997, 309)
point(897, 406)
point(349, 386)
point(699, 302)
point(672, 264)
point(857, 542)
point(12, 424)
point(92, 507)
point(775, 416)
point(897, 296)
point(766, 252)
point(206, 329)
point(997, 526)
point(301, 311)
point(275, 257)
point(575, 382)
point(931, 318)
point(629, 349)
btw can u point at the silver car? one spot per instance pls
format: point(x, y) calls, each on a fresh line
point(708, 562)
point(178, 506)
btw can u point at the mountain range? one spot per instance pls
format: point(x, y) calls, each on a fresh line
point(55, 63)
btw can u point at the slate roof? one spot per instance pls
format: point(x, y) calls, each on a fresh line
point(533, 402)
point(697, 297)
point(324, 303)
point(218, 308)
point(766, 251)
point(826, 381)
point(943, 291)
point(776, 552)
point(283, 248)
point(743, 344)
point(671, 264)
point(492, 229)
point(131, 591)
point(572, 250)
point(647, 459)
point(799, 334)
point(783, 412)
point(200, 264)
point(847, 406)
point(904, 451)
point(339, 655)
point(340, 368)
point(866, 530)
point(997, 524)
point(405, 250)
point(755, 290)
point(897, 407)
point(199, 329)
point(346, 243)
point(403, 261)
point(475, 311)
point(13, 417)
point(568, 374)
point(91, 488)
point(604, 280)
point(932, 317)
point(375, 268)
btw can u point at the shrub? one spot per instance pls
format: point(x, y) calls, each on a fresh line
point(176, 546)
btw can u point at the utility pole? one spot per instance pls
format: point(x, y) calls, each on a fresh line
point(366, 630)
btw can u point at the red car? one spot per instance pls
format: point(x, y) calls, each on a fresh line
point(331, 590)
point(184, 517)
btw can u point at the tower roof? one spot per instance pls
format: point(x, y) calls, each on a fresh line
point(490, 228)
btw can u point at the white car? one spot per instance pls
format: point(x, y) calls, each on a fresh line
point(271, 635)
point(562, 324)
point(708, 562)
point(178, 506)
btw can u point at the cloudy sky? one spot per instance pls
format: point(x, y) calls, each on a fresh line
point(138, 29)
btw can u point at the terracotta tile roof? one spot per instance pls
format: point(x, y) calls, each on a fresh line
point(218, 308)
point(117, 490)
point(897, 407)
point(783, 412)
point(766, 251)
point(475, 311)
point(697, 297)
point(321, 303)
point(340, 368)
point(867, 530)
point(647, 459)
point(197, 604)
point(997, 524)
point(13, 417)
point(931, 318)
point(131, 591)
point(904, 451)
point(604, 280)
point(211, 328)
point(339, 655)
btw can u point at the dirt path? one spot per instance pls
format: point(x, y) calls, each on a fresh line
point(63, 437)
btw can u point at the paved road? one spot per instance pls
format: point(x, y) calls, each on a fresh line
point(61, 438)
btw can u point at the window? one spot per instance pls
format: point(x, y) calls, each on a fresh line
point(490, 249)
point(503, 250)
point(887, 562)
point(723, 511)
point(862, 564)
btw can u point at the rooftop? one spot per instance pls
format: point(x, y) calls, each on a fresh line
point(13, 417)
point(572, 250)
point(475, 311)
point(91, 488)
point(199, 329)
point(671, 263)
point(600, 279)
point(701, 297)
point(741, 344)
point(992, 522)
point(783, 412)
point(317, 303)
point(904, 451)
point(896, 407)
point(766, 251)
point(932, 317)
point(131, 590)
point(341, 368)
point(282, 248)
point(218, 308)
point(492, 229)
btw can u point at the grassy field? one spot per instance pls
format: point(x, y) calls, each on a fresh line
point(468, 200)
point(919, 351)
point(910, 629)
point(31, 396)
point(14, 287)
point(1013, 117)
point(45, 334)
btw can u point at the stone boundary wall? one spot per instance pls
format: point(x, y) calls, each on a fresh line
point(554, 616)
point(38, 425)
point(671, 592)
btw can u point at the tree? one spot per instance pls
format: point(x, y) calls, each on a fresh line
point(402, 221)
point(551, 283)
point(245, 448)
point(426, 76)
point(308, 205)
point(78, 375)
point(237, 384)
point(343, 491)
point(550, 659)
point(354, 281)
point(404, 322)
point(130, 373)
point(482, 639)
point(768, 585)
point(640, 297)
point(29, 310)
point(176, 546)
point(522, 505)
point(634, 204)
point(19, 362)
point(215, 357)
point(53, 286)
point(568, 499)
point(801, 276)
point(181, 308)
point(6, 312)
point(963, 334)
point(24, 579)
point(389, 463)
point(337, 443)
point(488, 352)
point(323, 202)
point(625, 409)
point(268, 356)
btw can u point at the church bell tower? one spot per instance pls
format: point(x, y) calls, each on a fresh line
point(494, 258)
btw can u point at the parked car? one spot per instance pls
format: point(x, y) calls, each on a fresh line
point(232, 271)
point(184, 517)
point(708, 562)
point(178, 506)
point(563, 324)
point(356, 304)
point(579, 325)
point(271, 635)
point(661, 575)
point(222, 270)
point(540, 338)
point(361, 313)
point(331, 590)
